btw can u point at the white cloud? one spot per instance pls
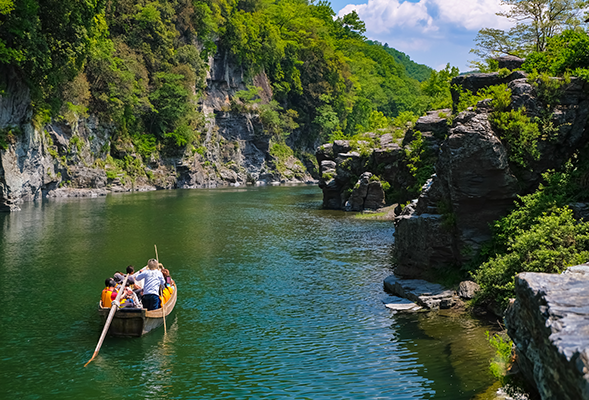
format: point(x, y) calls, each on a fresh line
point(383, 15)
point(435, 31)
point(472, 14)
point(427, 16)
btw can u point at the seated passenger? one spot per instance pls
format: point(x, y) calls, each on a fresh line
point(110, 292)
point(132, 282)
point(167, 277)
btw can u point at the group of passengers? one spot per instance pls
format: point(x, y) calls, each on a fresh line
point(155, 278)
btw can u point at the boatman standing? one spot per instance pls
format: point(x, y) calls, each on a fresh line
point(151, 285)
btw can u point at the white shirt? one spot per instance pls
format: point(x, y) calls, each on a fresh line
point(153, 280)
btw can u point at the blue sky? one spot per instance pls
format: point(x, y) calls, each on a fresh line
point(431, 32)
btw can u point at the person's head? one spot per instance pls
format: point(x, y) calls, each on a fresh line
point(165, 272)
point(130, 269)
point(119, 277)
point(152, 264)
point(109, 282)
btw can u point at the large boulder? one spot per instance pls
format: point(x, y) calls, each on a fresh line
point(549, 325)
point(367, 194)
point(510, 62)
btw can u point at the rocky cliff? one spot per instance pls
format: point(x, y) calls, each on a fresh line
point(549, 325)
point(354, 172)
point(475, 181)
point(70, 157)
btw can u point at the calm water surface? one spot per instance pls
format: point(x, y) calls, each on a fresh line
point(277, 299)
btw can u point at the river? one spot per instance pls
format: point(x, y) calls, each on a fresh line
point(277, 299)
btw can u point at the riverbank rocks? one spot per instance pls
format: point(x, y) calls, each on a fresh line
point(549, 325)
point(468, 289)
point(425, 294)
point(399, 304)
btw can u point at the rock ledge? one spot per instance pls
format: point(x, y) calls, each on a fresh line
point(549, 324)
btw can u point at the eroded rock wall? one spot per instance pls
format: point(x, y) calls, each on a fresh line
point(476, 183)
point(549, 325)
point(67, 157)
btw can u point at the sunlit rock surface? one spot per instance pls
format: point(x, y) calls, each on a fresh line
point(549, 324)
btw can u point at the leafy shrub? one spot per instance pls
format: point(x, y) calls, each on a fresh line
point(520, 134)
point(555, 242)
point(565, 52)
point(404, 118)
point(418, 162)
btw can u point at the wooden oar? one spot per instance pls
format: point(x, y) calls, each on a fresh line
point(162, 295)
point(111, 314)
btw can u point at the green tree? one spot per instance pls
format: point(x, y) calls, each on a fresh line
point(535, 22)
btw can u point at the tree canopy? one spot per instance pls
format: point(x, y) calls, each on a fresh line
point(534, 23)
point(141, 64)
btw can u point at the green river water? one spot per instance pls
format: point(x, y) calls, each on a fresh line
point(277, 299)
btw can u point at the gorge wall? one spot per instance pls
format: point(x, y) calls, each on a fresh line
point(70, 157)
point(476, 183)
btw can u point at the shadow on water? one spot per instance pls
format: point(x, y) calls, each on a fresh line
point(452, 349)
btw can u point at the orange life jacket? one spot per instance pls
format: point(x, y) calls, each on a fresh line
point(107, 297)
point(166, 294)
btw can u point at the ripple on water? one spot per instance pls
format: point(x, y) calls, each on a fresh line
point(277, 299)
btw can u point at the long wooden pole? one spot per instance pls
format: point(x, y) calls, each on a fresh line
point(111, 314)
point(161, 294)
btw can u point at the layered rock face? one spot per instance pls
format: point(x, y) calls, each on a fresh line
point(352, 173)
point(66, 158)
point(549, 325)
point(475, 183)
point(472, 186)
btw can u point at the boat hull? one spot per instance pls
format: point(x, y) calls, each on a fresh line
point(137, 321)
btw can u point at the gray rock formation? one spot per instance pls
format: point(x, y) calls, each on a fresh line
point(510, 62)
point(468, 289)
point(367, 194)
point(549, 325)
point(426, 294)
point(473, 186)
point(344, 163)
point(475, 182)
point(41, 161)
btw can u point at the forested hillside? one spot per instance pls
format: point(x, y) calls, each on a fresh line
point(414, 70)
point(142, 65)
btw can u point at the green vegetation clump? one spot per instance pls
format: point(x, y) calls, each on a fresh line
point(503, 355)
point(419, 162)
point(8, 135)
point(539, 235)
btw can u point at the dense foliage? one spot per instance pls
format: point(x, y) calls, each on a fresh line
point(142, 65)
point(565, 53)
point(414, 70)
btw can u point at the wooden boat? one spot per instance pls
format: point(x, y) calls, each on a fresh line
point(137, 321)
